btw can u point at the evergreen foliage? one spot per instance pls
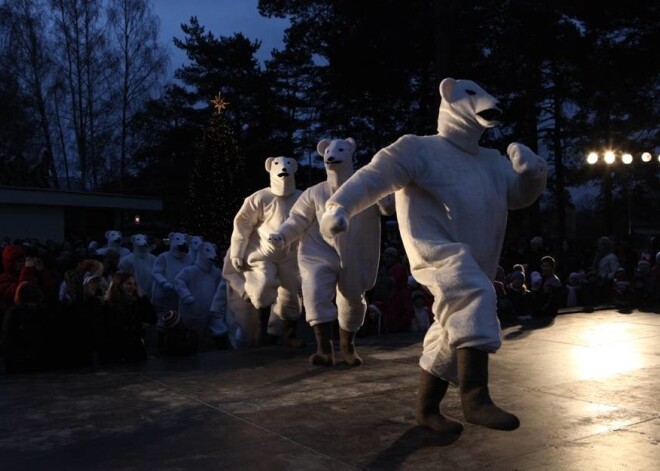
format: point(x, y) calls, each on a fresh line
point(216, 179)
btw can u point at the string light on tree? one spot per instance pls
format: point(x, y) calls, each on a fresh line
point(219, 103)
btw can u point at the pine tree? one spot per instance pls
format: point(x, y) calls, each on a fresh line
point(216, 180)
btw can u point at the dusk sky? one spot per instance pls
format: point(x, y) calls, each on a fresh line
point(222, 18)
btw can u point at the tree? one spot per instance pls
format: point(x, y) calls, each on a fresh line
point(216, 180)
point(141, 61)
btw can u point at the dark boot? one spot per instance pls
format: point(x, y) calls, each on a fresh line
point(289, 335)
point(324, 355)
point(431, 391)
point(478, 407)
point(347, 347)
point(265, 339)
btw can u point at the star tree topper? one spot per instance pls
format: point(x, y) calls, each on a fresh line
point(219, 103)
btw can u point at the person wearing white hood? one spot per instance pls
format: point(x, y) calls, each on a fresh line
point(452, 198)
point(140, 263)
point(271, 274)
point(196, 286)
point(345, 266)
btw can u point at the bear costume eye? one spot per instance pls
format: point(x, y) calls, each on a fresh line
point(470, 92)
point(341, 149)
point(277, 163)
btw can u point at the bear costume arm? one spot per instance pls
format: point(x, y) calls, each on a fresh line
point(526, 176)
point(245, 222)
point(301, 217)
point(181, 284)
point(388, 172)
point(158, 270)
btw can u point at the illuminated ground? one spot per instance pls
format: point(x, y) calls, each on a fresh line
point(587, 390)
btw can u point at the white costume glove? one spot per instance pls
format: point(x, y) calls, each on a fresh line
point(524, 160)
point(168, 285)
point(334, 221)
point(276, 239)
point(237, 263)
point(189, 300)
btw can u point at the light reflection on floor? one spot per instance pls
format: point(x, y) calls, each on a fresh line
point(612, 353)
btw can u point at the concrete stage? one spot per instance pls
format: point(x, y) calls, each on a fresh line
point(586, 388)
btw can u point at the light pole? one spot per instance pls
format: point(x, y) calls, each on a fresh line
point(609, 157)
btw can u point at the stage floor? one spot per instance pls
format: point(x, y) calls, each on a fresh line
point(586, 388)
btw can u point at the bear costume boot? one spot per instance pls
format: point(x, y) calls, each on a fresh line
point(289, 335)
point(325, 355)
point(478, 407)
point(265, 339)
point(347, 346)
point(431, 391)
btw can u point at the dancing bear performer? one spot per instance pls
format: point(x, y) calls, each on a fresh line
point(165, 269)
point(452, 198)
point(140, 263)
point(271, 273)
point(345, 266)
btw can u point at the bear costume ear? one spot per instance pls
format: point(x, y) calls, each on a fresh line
point(269, 162)
point(133, 238)
point(107, 234)
point(322, 146)
point(447, 87)
point(351, 141)
point(171, 235)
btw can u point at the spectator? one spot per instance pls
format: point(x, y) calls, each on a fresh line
point(546, 300)
point(177, 339)
point(124, 311)
point(518, 295)
point(423, 317)
point(25, 331)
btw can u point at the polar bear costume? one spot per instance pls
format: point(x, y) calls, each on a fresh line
point(345, 266)
point(452, 199)
point(113, 243)
point(166, 267)
point(195, 243)
point(140, 263)
point(242, 318)
point(196, 286)
point(271, 273)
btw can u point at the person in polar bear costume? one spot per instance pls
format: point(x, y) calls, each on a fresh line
point(452, 198)
point(196, 286)
point(114, 243)
point(242, 318)
point(165, 269)
point(344, 266)
point(194, 244)
point(140, 263)
point(271, 273)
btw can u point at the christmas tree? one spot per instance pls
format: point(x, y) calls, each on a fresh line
point(216, 181)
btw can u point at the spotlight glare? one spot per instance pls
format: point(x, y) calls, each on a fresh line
point(609, 157)
point(646, 157)
point(626, 159)
point(592, 158)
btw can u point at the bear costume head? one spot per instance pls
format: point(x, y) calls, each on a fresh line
point(338, 159)
point(281, 170)
point(178, 243)
point(195, 242)
point(466, 111)
point(207, 256)
point(113, 238)
point(140, 244)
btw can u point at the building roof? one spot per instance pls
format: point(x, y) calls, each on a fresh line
point(48, 197)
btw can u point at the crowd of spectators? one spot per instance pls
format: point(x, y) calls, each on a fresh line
point(61, 305)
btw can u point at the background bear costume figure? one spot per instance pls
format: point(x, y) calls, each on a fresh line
point(271, 273)
point(452, 198)
point(345, 266)
point(140, 263)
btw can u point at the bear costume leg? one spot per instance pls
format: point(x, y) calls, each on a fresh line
point(265, 339)
point(478, 407)
point(431, 391)
point(347, 347)
point(325, 355)
point(289, 335)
